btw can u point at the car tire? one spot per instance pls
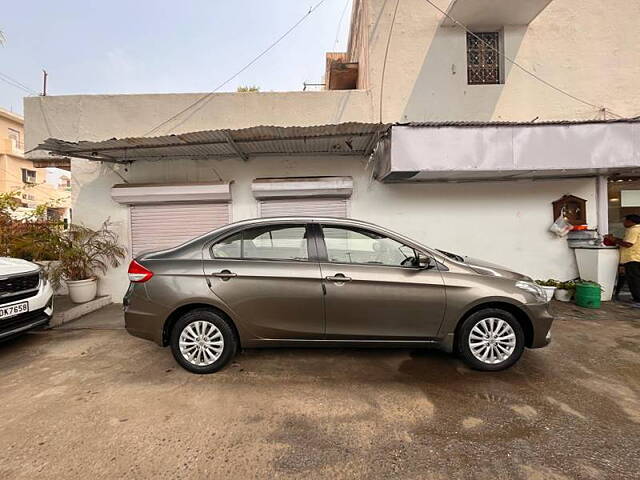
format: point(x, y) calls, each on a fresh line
point(202, 341)
point(492, 334)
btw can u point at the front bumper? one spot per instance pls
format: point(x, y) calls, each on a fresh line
point(38, 316)
point(541, 321)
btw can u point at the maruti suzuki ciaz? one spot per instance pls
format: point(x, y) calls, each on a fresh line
point(328, 282)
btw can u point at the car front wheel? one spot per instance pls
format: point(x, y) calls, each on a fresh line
point(202, 341)
point(491, 340)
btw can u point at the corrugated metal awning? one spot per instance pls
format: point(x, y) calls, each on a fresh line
point(336, 139)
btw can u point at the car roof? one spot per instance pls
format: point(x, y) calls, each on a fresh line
point(197, 243)
point(322, 220)
point(305, 219)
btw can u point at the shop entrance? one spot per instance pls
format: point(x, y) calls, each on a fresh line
point(624, 199)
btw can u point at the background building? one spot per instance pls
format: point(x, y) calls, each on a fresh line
point(18, 174)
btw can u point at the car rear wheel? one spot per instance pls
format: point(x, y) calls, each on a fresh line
point(202, 341)
point(491, 340)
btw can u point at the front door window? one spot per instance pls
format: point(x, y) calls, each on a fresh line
point(366, 248)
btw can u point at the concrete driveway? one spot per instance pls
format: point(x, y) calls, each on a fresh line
point(94, 402)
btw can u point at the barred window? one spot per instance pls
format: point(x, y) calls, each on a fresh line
point(483, 60)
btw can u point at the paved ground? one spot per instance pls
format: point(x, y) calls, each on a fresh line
point(101, 404)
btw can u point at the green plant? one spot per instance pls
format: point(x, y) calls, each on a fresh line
point(83, 252)
point(548, 283)
point(24, 233)
point(245, 89)
point(568, 285)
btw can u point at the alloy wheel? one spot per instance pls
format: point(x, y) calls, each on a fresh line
point(201, 343)
point(492, 340)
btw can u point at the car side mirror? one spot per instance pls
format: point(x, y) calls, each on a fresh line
point(425, 262)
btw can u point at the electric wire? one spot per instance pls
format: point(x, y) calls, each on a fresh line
point(15, 83)
point(516, 64)
point(344, 10)
point(204, 99)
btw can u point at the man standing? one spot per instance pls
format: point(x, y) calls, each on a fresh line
point(630, 255)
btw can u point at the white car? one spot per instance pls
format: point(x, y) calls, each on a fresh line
point(26, 297)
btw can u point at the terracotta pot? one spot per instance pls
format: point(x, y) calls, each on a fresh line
point(82, 291)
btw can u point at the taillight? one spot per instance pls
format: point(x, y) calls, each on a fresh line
point(138, 273)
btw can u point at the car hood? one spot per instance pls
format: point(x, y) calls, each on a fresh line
point(13, 266)
point(493, 270)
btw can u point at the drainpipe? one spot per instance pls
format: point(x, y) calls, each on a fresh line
point(602, 203)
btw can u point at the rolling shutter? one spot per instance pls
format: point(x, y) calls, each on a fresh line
point(316, 207)
point(155, 227)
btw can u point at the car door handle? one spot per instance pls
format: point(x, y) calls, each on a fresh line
point(338, 278)
point(225, 274)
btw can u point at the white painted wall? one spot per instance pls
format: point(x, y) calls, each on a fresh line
point(101, 117)
point(503, 222)
point(590, 48)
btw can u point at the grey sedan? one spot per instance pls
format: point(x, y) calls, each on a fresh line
point(328, 282)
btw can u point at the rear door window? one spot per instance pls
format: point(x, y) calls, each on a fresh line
point(230, 247)
point(273, 242)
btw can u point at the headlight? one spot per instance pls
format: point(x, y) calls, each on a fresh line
point(43, 277)
point(534, 289)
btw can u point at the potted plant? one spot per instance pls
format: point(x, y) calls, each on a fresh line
point(565, 291)
point(549, 287)
point(83, 253)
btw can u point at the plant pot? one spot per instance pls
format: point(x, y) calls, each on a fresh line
point(563, 295)
point(82, 291)
point(549, 291)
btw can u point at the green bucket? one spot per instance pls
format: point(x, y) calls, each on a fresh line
point(588, 294)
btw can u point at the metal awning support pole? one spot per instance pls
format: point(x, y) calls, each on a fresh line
point(235, 146)
point(602, 203)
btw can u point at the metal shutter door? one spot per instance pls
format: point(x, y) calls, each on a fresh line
point(155, 227)
point(316, 207)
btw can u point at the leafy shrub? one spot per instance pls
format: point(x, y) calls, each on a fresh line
point(78, 253)
point(83, 252)
point(32, 236)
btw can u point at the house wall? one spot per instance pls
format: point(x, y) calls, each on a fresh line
point(10, 152)
point(589, 48)
point(34, 194)
point(502, 222)
point(100, 117)
point(12, 161)
point(358, 47)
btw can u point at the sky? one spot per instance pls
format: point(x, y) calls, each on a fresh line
point(160, 46)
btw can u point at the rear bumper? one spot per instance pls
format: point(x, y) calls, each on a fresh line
point(143, 318)
point(541, 321)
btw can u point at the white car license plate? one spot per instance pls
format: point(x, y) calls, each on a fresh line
point(13, 310)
